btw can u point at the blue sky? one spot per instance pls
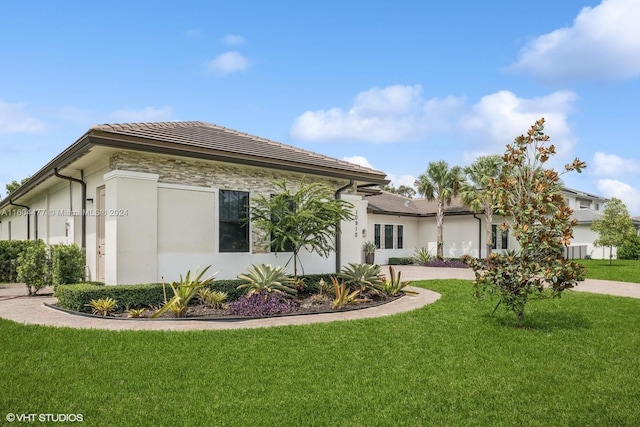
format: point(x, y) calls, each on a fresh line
point(393, 85)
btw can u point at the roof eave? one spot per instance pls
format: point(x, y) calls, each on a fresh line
point(159, 147)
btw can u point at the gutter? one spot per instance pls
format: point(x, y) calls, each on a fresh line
point(84, 203)
point(479, 235)
point(28, 217)
point(338, 232)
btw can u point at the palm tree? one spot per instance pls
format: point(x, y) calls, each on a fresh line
point(476, 195)
point(441, 184)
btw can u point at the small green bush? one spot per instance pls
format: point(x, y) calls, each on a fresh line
point(630, 249)
point(10, 250)
point(400, 261)
point(67, 264)
point(33, 266)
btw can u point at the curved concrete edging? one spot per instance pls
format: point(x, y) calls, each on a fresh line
point(31, 310)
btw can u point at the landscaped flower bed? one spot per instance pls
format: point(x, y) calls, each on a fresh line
point(265, 291)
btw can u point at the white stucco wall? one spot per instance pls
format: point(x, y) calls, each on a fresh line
point(411, 236)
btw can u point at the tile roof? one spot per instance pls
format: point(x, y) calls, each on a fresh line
point(389, 203)
point(229, 142)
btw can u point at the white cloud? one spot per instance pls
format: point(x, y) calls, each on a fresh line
point(612, 165)
point(14, 119)
point(398, 180)
point(613, 188)
point(148, 114)
point(390, 114)
point(500, 117)
point(400, 113)
point(602, 44)
point(358, 160)
point(233, 39)
point(227, 63)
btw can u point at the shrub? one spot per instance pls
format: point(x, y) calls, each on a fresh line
point(211, 298)
point(265, 278)
point(102, 306)
point(77, 296)
point(343, 295)
point(67, 264)
point(630, 248)
point(394, 286)
point(136, 312)
point(10, 250)
point(421, 256)
point(400, 261)
point(184, 291)
point(33, 268)
point(365, 277)
point(262, 304)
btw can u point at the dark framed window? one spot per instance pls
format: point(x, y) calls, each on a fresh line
point(35, 225)
point(376, 235)
point(388, 236)
point(9, 230)
point(234, 226)
point(504, 238)
point(400, 237)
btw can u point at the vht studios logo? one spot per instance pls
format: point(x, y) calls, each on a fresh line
point(48, 418)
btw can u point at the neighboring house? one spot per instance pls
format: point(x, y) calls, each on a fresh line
point(162, 198)
point(399, 225)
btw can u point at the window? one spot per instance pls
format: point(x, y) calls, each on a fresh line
point(388, 236)
point(584, 203)
point(35, 225)
point(504, 238)
point(376, 235)
point(9, 230)
point(400, 238)
point(234, 227)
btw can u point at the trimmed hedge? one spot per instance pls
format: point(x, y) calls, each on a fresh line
point(10, 250)
point(75, 297)
point(400, 261)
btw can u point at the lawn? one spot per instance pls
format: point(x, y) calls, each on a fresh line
point(620, 270)
point(450, 363)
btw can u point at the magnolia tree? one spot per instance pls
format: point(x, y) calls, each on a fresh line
point(530, 196)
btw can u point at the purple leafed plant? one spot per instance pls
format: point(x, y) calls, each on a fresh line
point(262, 304)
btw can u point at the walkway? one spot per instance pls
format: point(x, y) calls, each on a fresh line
point(14, 305)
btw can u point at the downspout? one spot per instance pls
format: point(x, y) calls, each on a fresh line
point(479, 235)
point(338, 232)
point(84, 203)
point(28, 217)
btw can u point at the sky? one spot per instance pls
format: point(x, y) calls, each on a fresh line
point(392, 85)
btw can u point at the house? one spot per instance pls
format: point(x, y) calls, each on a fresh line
point(400, 225)
point(149, 201)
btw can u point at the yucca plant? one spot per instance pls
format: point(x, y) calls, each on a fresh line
point(211, 298)
point(136, 312)
point(365, 277)
point(395, 285)
point(421, 256)
point(184, 291)
point(343, 295)
point(266, 278)
point(102, 306)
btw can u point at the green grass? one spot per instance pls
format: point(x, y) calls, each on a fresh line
point(619, 270)
point(448, 364)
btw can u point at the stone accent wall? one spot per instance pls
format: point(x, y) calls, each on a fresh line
point(202, 173)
